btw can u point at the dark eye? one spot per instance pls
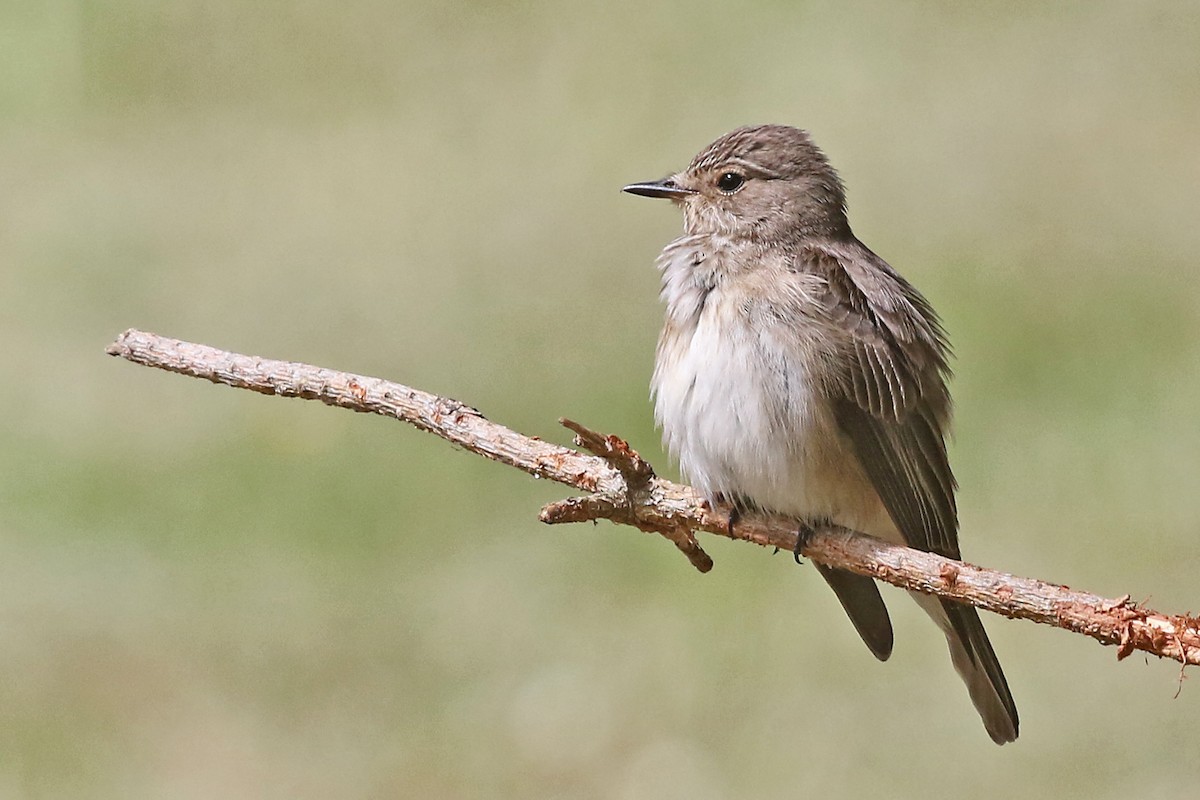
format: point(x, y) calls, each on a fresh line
point(730, 182)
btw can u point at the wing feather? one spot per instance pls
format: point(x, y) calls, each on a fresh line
point(891, 400)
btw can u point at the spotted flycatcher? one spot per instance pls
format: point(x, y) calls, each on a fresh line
point(798, 373)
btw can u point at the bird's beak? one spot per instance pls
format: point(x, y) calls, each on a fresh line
point(667, 188)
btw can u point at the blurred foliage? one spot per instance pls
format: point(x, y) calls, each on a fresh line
point(209, 593)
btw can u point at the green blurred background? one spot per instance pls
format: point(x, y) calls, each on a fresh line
point(209, 593)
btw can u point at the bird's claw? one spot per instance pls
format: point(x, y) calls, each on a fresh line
point(804, 533)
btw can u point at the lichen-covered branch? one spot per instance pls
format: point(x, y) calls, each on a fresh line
point(622, 487)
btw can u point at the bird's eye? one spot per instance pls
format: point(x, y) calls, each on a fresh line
point(730, 182)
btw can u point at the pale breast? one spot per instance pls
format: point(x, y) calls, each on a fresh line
point(737, 404)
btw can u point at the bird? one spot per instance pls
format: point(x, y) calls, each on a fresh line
point(798, 373)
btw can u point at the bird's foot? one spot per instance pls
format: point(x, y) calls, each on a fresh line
point(804, 532)
point(735, 511)
point(735, 514)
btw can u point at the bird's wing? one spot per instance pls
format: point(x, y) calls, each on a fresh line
point(890, 399)
point(890, 396)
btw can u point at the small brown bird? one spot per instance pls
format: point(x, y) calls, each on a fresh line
point(798, 373)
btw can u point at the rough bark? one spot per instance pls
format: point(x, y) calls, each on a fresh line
point(620, 486)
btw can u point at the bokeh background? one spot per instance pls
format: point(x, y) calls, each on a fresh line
point(209, 593)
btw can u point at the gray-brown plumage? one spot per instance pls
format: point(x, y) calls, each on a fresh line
point(799, 373)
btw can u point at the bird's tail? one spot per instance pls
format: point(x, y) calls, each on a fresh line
point(860, 597)
point(976, 662)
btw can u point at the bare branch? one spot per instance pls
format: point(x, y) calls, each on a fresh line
point(622, 487)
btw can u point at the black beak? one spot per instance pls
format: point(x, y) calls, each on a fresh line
point(667, 188)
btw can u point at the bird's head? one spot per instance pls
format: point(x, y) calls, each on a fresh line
point(763, 182)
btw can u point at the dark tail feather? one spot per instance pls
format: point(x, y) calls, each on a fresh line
point(976, 662)
point(860, 597)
